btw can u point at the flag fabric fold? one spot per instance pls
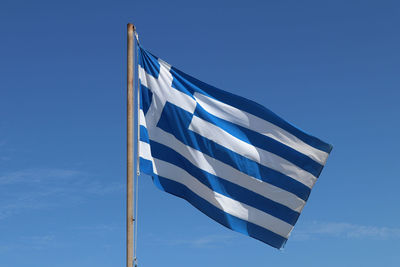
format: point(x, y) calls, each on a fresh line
point(231, 158)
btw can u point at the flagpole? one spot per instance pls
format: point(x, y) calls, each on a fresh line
point(129, 143)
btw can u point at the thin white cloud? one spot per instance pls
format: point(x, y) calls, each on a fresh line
point(46, 188)
point(35, 242)
point(205, 241)
point(98, 188)
point(2, 143)
point(36, 175)
point(99, 228)
point(3, 157)
point(344, 230)
point(4, 248)
point(27, 201)
point(39, 242)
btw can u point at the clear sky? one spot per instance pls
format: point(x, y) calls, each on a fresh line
point(329, 67)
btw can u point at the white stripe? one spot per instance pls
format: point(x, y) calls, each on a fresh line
point(145, 151)
point(228, 205)
point(142, 76)
point(263, 157)
point(242, 118)
point(226, 172)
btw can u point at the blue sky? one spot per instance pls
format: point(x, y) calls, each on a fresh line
point(329, 67)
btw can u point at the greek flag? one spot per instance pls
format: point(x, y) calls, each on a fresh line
point(231, 158)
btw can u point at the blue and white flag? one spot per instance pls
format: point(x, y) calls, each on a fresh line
point(231, 158)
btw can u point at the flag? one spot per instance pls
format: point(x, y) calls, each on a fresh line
point(231, 158)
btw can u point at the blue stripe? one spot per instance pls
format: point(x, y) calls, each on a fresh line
point(182, 85)
point(218, 215)
point(146, 166)
point(224, 187)
point(173, 115)
point(149, 62)
point(263, 142)
point(146, 96)
point(144, 135)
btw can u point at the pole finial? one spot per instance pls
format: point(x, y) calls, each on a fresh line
point(131, 27)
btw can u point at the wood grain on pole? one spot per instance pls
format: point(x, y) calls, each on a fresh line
point(129, 143)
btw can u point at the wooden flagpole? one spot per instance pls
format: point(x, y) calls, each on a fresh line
point(129, 143)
